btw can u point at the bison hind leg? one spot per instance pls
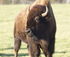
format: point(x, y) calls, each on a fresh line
point(17, 44)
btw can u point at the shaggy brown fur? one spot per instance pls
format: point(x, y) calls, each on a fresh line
point(43, 31)
point(40, 2)
point(20, 35)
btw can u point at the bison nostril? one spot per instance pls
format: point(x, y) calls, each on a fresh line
point(27, 30)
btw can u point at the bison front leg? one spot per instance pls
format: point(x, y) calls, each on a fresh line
point(34, 50)
point(17, 44)
point(51, 46)
point(44, 46)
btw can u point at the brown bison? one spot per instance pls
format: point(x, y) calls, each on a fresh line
point(37, 29)
point(41, 28)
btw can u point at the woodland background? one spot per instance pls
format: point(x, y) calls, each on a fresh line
point(30, 1)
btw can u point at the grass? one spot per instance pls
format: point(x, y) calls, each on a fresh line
point(7, 18)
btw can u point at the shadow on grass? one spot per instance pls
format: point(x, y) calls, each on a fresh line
point(12, 55)
point(8, 55)
point(22, 54)
point(11, 48)
point(61, 52)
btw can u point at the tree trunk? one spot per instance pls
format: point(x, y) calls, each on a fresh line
point(21, 1)
point(60, 1)
point(1, 1)
point(13, 1)
point(68, 1)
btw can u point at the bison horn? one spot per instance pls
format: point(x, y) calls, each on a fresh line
point(45, 13)
point(28, 9)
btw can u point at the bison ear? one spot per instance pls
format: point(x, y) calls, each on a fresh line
point(37, 19)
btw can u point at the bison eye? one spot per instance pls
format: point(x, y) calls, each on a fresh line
point(37, 19)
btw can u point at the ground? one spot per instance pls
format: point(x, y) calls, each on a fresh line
point(7, 18)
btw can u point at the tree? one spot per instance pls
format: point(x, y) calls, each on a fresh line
point(68, 1)
point(1, 1)
point(13, 1)
point(60, 1)
point(21, 1)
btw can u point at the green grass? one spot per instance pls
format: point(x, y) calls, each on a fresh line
point(7, 18)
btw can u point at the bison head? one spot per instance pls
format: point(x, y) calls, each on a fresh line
point(36, 21)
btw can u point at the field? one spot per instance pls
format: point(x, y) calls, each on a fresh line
point(7, 18)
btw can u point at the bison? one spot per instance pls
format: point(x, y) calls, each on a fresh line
point(41, 28)
point(36, 27)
